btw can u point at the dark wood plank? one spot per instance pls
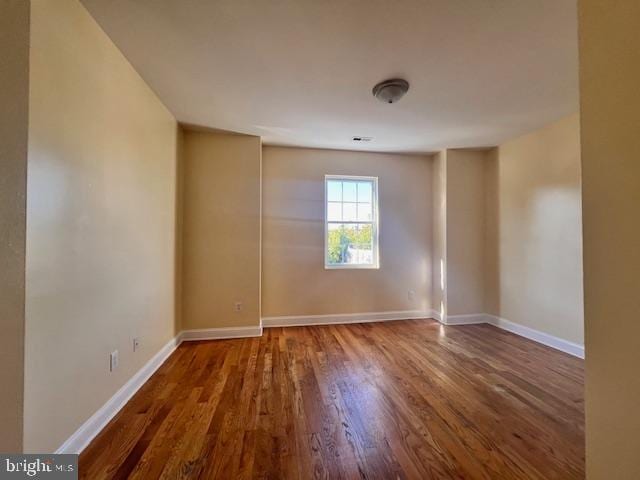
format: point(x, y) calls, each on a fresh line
point(409, 399)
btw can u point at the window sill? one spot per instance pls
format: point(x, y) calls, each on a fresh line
point(352, 267)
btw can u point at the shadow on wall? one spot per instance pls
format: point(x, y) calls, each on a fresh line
point(177, 319)
point(492, 233)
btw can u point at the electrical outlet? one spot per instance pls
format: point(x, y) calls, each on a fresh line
point(136, 344)
point(237, 306)
point(411, 294)
point(114, 360)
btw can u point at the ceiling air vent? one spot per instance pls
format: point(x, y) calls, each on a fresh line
point(362, 139)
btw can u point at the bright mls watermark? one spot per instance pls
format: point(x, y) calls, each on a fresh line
point(34, 466)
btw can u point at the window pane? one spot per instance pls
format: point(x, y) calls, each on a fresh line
point(364, 235)
point(339, 240)
point(349, 244)
point(334, 212)
point(365, 192)
point(334, 190)
point(364, 253)
point(349, 192)
point(352, 257)
point(364, 212)
point(349, 212)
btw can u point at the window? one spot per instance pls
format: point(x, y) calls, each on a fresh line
point(351, 222)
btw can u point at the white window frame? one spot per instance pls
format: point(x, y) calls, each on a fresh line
point(375, 223)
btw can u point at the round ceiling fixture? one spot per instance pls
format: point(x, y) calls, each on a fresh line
point(390, 91)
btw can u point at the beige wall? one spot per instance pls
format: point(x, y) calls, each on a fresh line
point(101, 222)
point(465, 231)
point(491, 244)
point(533, 208)
point(295, 281)
point(439, 234)
point(179, 230)
point(609, 100)
point(221, 230)
point(14, 98)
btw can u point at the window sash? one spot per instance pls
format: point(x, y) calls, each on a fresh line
point(371, 201)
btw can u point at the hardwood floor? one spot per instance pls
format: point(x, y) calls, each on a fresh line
point(407, 399)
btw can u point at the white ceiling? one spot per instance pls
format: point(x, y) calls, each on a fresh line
point(300, 72)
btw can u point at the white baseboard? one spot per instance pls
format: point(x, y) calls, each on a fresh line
point(536, 335)
point(566, 346)
point(469, 319)
point(89, 429)
point(305, 320)
point(220, 333)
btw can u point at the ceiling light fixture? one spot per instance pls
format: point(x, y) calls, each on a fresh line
point(390, 91)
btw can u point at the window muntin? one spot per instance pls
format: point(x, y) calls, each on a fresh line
point(351, 222)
